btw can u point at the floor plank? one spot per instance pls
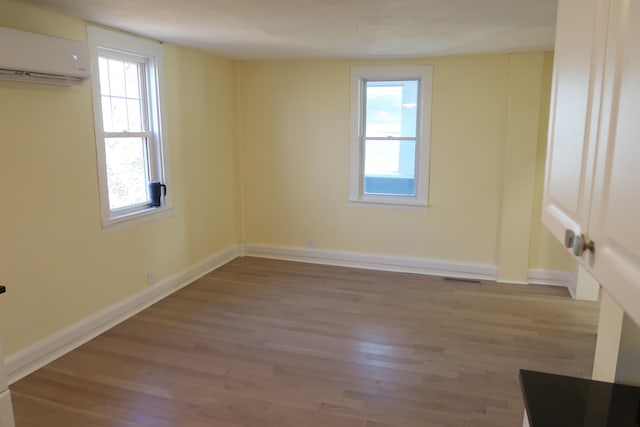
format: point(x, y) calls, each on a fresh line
point(273, 343)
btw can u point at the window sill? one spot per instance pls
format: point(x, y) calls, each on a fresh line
point(389, 204)
point(145, 215)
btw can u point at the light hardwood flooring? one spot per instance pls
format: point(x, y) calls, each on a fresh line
point(270, 343)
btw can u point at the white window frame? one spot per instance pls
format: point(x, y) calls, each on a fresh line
point(359, 77)
point(124, 46)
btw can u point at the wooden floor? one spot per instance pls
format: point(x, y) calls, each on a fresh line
point(271, 343)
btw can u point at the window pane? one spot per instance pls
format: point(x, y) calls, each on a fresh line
point(126, 160)
point(103, 66)
point(119, 115)
point(107, 121)
point(116, 78)
point(389, 167)
point(391, 108)
point(134, 96)
point(122, 98)
point(132, 77)
point(135, 115)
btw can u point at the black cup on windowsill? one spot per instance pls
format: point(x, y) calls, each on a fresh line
point(157, 190)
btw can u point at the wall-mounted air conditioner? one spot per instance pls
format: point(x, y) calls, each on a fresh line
point(30, 57)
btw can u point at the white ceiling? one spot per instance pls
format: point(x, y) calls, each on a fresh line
point(284, 29)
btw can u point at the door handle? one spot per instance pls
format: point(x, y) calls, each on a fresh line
point(580, 245)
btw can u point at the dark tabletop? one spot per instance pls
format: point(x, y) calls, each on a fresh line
point(557, 400)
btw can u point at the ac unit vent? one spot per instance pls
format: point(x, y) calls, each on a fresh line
point(27, 76)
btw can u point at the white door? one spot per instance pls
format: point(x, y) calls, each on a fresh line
point(575, 97)
point(615, 217)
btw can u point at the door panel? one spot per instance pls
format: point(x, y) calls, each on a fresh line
point(615, 225)
point(575, 100)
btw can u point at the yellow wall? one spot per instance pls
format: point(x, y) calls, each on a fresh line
point(59, 265)
point(545, 251)
point(295, 144)
point(258, 153)
point(523, 107)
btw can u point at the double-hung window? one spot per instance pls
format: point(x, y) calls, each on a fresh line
point(128, 123)
point(390, 128)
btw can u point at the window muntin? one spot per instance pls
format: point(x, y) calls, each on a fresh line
point(391, 108)
point(128, 123)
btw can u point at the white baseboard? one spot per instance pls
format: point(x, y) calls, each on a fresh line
point(514, 282)
point(553, 278)
point(406, 265)
point(375, 262)
point(38, 355)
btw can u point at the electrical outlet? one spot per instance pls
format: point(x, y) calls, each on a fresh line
point(310, 242)
point(151, 277)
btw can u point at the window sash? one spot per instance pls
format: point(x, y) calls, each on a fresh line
point(145, 135)
point(143, 65)
point(399, 175)
point(144, 147)
point(392, 82)
point(364, 106)
point(154, 155)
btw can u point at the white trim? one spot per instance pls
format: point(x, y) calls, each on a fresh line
point(389, 205)
point(553, 278)
point(406, 265)
point(102, 39)
point(138, 217)
point(514, 282)
point(41, 353)
point(424, 73)
point(375, 262)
